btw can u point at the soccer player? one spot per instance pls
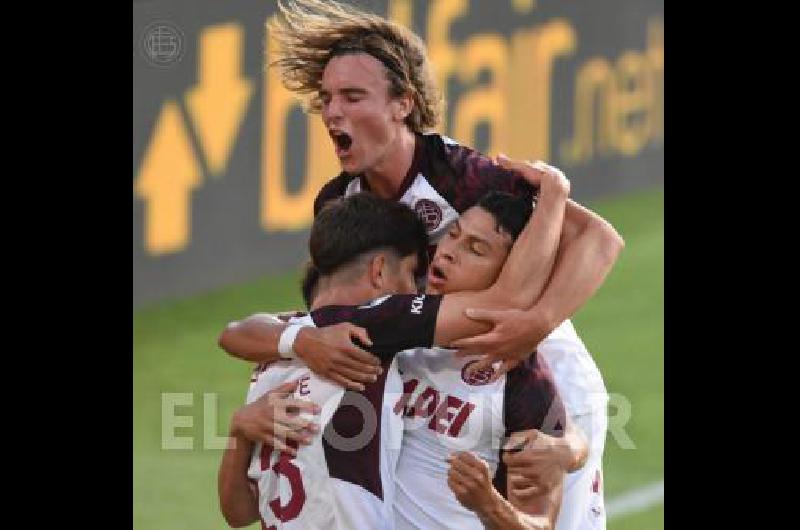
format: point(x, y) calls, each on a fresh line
point(352, 486)
point(370, 79)
point(439, 388)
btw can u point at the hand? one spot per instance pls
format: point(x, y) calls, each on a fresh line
point(332, 353)
point(537, 173)
point(515, 334)
point(536, 463)
point(274, 418)
point(471, 481)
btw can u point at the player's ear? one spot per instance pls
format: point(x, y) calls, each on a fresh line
point(377, 271)
point(402, 106)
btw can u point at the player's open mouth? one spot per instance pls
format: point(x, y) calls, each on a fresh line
point(436, 276)
point(343, 142)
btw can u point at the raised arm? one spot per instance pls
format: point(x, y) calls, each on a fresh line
point(528, 266)
point(588, 249)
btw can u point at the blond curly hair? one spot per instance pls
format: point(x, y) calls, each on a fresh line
point(311, 32)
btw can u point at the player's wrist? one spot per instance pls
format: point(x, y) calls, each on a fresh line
point(235, 430)
point(554, 189)
point(541, 320)
point(303, 342)
point(555, 182)
point(237, 440)
point(287, 341)
point(495, 511)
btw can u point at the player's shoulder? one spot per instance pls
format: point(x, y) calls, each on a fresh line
point(464, 174)
point(334, 188)
point(447, 151)
point(383, 307)
point(459, 155)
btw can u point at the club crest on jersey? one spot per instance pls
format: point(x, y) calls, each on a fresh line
point(481, 377)
point(429, 212)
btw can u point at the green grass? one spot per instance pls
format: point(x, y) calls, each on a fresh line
point(623, 327)
point(652, 519)
point(175, 351)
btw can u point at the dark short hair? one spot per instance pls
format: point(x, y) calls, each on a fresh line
point(510, 212)
point(309, 284)
point(348, 227)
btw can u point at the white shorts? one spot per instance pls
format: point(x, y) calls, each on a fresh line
point(582, 506)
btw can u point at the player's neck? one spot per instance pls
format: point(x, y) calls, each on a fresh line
point(335, 292)
point(386, 177)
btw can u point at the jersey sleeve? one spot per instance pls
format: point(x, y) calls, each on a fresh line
point(463, 175)
point(394, 323)
point(332, 189)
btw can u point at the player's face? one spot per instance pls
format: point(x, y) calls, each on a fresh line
point(402, 278)
point(470, 256)
point(362, 119)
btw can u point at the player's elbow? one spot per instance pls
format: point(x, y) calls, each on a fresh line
point(227, 337)
point(609, 242)
point(237, 518)
point(236, 513)
point(233, 520)
point(238, 522)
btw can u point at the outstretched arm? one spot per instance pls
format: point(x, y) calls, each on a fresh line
point(331, 352)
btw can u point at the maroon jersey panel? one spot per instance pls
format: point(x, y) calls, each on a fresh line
point(394, 323)
point(531, 401)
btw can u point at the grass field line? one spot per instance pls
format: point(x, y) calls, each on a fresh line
point(636, 500)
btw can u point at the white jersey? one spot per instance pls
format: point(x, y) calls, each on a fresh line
point(428, 203)
point(345, 479)
point(446, 410)
point(585, 397)
point(444, 180)
point(577, 377)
